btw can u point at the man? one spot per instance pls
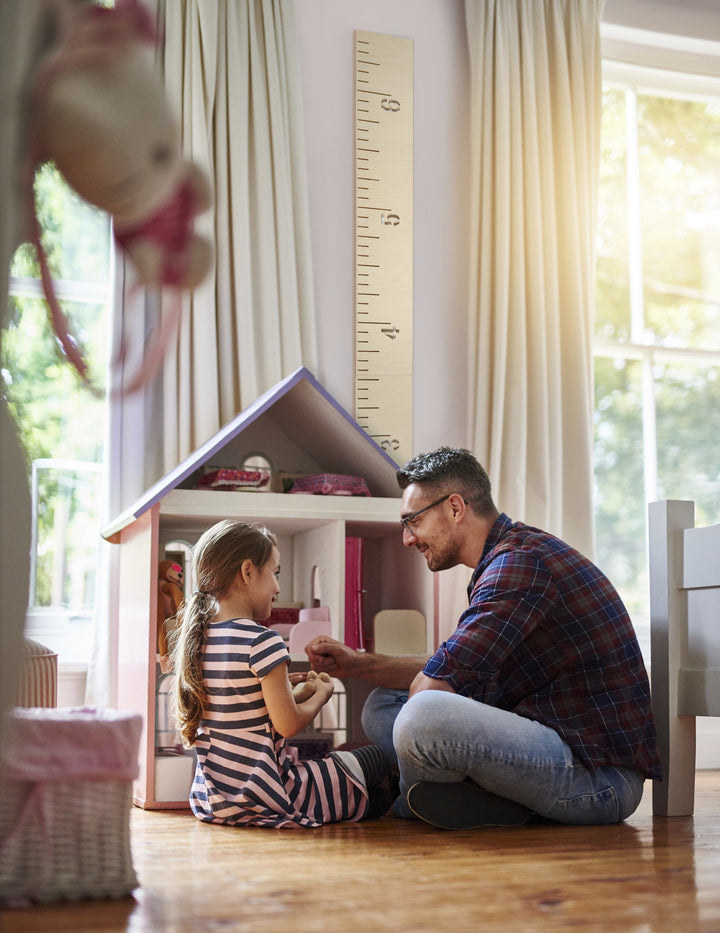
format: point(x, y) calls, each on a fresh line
point(538, 705)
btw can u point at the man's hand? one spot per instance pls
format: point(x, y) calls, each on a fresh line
point(423, 682)
point(331, 656)
point(394, 672)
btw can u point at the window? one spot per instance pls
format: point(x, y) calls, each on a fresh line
point(61, 424)
point(657, 329)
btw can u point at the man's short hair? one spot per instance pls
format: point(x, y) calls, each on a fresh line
point(448, 470)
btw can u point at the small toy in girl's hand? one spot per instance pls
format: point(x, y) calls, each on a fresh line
point(304, 690)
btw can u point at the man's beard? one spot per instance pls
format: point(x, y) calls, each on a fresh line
point(444, 556)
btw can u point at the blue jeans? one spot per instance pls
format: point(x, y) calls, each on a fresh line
point(442, 737)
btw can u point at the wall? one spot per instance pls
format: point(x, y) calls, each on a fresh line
point(326, 39)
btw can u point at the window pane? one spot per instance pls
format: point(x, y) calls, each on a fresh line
point(619, 479)
point(612, 318)
point(75, 235)
point(688, 436)
point(679, 143)
point(66, 533)
point(56, 414)
point(59, 423)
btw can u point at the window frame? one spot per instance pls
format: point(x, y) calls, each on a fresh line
point(638, 80)
point(66, 630)
point(641, 79)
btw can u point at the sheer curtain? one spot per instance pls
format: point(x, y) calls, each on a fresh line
point(535, 149)
point(232, 77)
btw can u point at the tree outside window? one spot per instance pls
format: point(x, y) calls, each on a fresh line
point(61, 424)
point(657, 327)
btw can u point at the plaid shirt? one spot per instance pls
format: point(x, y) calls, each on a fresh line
point(546, 636)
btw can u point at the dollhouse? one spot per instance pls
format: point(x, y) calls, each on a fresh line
point(295, 430)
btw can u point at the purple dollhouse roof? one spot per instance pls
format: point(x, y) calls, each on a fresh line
point(300, 426)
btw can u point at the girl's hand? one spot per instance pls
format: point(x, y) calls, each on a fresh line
point(321, 683)
point(303, 691)
point(287, 715)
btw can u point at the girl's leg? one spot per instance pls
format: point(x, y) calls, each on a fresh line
point(444, 738)
point(370, 764)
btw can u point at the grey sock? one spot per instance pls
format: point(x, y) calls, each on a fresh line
point(374, 763)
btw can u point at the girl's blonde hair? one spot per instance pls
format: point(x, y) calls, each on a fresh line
point(217, 559)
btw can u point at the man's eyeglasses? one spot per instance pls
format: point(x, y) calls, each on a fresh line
point(409, 519)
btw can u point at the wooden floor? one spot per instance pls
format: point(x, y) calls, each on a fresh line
point(648, 874)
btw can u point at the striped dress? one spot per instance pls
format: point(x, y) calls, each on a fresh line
point(244, 775)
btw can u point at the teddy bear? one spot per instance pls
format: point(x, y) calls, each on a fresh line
point(169, 598)
point(99, 112)
point(306, 688)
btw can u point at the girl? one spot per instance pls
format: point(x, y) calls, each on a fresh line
point(236, 706)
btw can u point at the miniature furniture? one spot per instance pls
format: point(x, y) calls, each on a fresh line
point(302, 431)
point(685, 643)
point(65, 794)
point(312, 622)
point(399, 631)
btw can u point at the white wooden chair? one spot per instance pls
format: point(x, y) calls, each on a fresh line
point(685, 643)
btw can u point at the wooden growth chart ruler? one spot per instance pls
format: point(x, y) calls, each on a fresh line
point(384, 240)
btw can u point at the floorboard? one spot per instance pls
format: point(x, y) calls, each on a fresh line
point(648, 874)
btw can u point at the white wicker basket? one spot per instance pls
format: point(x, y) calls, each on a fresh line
point(68, 837)
point(75, 844)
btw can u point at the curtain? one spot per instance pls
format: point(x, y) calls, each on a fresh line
point(232, 78)
point(535, 68)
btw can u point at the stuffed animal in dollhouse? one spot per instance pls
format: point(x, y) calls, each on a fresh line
point(170, 596)
point(99, 112)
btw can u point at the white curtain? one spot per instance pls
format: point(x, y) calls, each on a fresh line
point(232, 77)
point(535, 148)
